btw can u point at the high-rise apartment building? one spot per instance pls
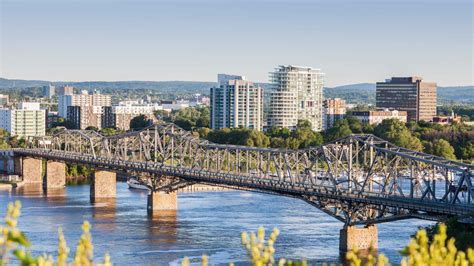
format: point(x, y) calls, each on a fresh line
point(334, 109)
point(297, 95)
point(410, 94)
point(49, 91)
point(223, 78)
point(83, 99)
point(65, 90)
point(27, 120)
point(236, 102)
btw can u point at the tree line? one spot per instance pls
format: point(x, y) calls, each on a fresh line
point(454, 142)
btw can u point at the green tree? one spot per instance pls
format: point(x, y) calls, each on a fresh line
point(355, 125)
point(92, 128)
point(108, 131)
point(341, 129)
point(203, 132)
point(395, 131)
point(278, 132)
point(442, 148)
point(306, 136)
point(239, 136)
point(467, 151)
point(185, 123)
point(192, 117)
point(4, 136)
point(140, 122)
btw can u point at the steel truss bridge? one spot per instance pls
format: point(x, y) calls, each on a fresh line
point(360, 179)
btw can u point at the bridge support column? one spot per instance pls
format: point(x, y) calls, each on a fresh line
point(162, 201)
point(55, 175)
point(31, 170)
point(17, 165)
point(361, 238)
point(104, 185)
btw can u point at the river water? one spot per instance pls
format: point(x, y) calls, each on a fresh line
point(206, 223)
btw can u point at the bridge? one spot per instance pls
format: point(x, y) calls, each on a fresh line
point(358, 180)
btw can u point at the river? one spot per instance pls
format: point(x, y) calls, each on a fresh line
point(206, 223)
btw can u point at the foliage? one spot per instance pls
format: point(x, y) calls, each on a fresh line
point(396, 132)
point(16, 142)
point(78, 173)
point(423, 252)
point(239, 136)
point(64, 123)
point(140, 122)
point(341, 129)
point(190, 118)
point(108, 131)
point(14, 242)
point(442, 148)
point(259, 251)
point(4, 136)
point(463, 233)
point(302, 137)
point(459, 136)
point(466, 111)
point(92, 128)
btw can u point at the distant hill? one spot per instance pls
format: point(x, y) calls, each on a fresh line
point(361, 93)
point(456, 95)
point(158, 85)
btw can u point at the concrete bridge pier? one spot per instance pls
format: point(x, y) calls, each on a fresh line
point(159, 201)
point(363, 239)
point(104, 185)
point(31, 169)
point(55, 175)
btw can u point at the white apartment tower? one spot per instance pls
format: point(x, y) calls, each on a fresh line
point(236, 103)
point(297, 95)
point(27, 120)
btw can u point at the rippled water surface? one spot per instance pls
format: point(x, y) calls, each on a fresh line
point(206, 223)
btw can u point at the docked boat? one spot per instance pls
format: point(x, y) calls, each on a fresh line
point(135, 184)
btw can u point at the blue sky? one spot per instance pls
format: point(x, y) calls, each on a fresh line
point(351, 41)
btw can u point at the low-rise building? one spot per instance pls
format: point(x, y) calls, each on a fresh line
point(447, 120)
point(176, 105)
point(126, 111)
point(377, 116)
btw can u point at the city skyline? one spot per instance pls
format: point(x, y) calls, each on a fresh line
point(352, 42)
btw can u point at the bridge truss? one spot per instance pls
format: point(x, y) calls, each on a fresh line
point(360, 179)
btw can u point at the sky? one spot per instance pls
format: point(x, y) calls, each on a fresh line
point(350, 41)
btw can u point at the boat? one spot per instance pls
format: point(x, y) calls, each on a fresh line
point(135, 184)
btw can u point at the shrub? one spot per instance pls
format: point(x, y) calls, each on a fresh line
point(13, 242)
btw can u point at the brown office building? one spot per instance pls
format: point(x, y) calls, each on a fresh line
point(410, 94)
